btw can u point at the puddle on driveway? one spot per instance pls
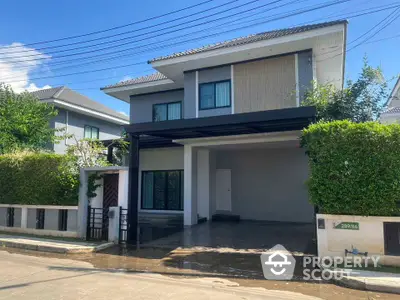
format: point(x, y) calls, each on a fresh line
point(239, 267)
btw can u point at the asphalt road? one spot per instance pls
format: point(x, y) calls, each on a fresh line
point(45, 278)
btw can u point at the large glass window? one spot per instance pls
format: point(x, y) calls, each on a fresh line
point(162, 190)
point(91, 132)
point(167, 111)
point(215, 94)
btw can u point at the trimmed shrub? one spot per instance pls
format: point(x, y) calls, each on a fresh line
point(38, 179)
point(354, 167)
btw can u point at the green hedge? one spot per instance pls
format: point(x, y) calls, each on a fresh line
point(354, 167)
point(38, 179)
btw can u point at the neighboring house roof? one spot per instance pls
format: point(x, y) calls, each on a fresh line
point(251, 39)
point(147, 78)
point(66, 97)
point(394, 92)
point(392, 110)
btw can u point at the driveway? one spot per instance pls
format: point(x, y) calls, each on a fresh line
point(243, 235)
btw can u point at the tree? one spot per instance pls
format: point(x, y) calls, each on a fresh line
point(360, 101)
point(24, 121)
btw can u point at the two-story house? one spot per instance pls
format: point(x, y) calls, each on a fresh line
point(215, 132)
point(81, 117)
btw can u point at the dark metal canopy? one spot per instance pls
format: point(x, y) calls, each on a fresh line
point(245, 123)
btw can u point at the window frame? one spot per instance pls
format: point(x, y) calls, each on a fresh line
point(90, 127)
point(215, 92)
point(181, 175)
point(166, 104)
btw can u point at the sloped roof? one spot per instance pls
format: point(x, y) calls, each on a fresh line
point(67, 95)
point(226, 44)
point(392, 110)
point(251, 39)
point(147, 78)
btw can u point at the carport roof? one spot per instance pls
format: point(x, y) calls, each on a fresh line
point(244, 123)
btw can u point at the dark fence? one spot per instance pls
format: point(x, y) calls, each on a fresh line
point(97, 224)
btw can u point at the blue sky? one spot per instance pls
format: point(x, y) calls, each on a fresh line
point(28, 22)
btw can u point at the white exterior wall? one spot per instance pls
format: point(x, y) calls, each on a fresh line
point(369, 238)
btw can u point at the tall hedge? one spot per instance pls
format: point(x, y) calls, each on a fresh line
point(354, 167)
point(38, 179)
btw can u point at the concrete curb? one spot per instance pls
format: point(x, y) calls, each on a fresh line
point(56, 249)
point(368, 284)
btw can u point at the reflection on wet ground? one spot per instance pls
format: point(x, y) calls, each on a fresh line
point(240, 267)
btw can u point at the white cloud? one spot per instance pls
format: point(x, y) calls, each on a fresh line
point(125, 78)
point(16, 65)
point(124, 113)
point(32, 87)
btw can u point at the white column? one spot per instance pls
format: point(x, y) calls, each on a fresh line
point(83, 204)
point(123, 187)
point(24, 217)
point(113, 225)
point(203, 183)
point(190, 191)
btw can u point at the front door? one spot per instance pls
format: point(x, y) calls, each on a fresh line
point(223, 190)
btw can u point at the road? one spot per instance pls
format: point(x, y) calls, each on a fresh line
point(174, 275)
point(45, 278)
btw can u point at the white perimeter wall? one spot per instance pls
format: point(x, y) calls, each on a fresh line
point(369, 238)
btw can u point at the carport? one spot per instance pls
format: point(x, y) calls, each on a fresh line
point(227, 162)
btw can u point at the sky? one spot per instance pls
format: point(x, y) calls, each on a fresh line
point(26, 63)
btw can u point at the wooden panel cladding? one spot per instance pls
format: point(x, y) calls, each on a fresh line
point(265, 84)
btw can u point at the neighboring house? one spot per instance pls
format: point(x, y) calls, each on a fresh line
point(215, 132)
point(81, 116)
point(392, 113)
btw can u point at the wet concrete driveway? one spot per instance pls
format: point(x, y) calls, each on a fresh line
point(243, 235)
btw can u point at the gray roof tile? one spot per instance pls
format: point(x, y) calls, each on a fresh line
point(392, 110)
point(252, 38)
point(148, 78)
point(66, 94)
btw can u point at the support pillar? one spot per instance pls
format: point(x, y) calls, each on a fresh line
point(24, 217)
point(190, 186)
point(203, 183)
point(83, 204)
point(133, 195)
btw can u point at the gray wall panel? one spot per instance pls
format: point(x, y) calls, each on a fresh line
point(3, 216)
point(17, 217)
point(190, 95)
point(51, 219)
point(72, 220)
point(141, 107)
point(215, 74)
point(31, 218)
point(268, 184)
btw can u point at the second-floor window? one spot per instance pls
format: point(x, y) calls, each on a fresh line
point(167, 111)
point(91, 132)
point(215, 94)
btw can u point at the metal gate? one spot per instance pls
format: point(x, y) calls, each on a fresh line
point(97, 224)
